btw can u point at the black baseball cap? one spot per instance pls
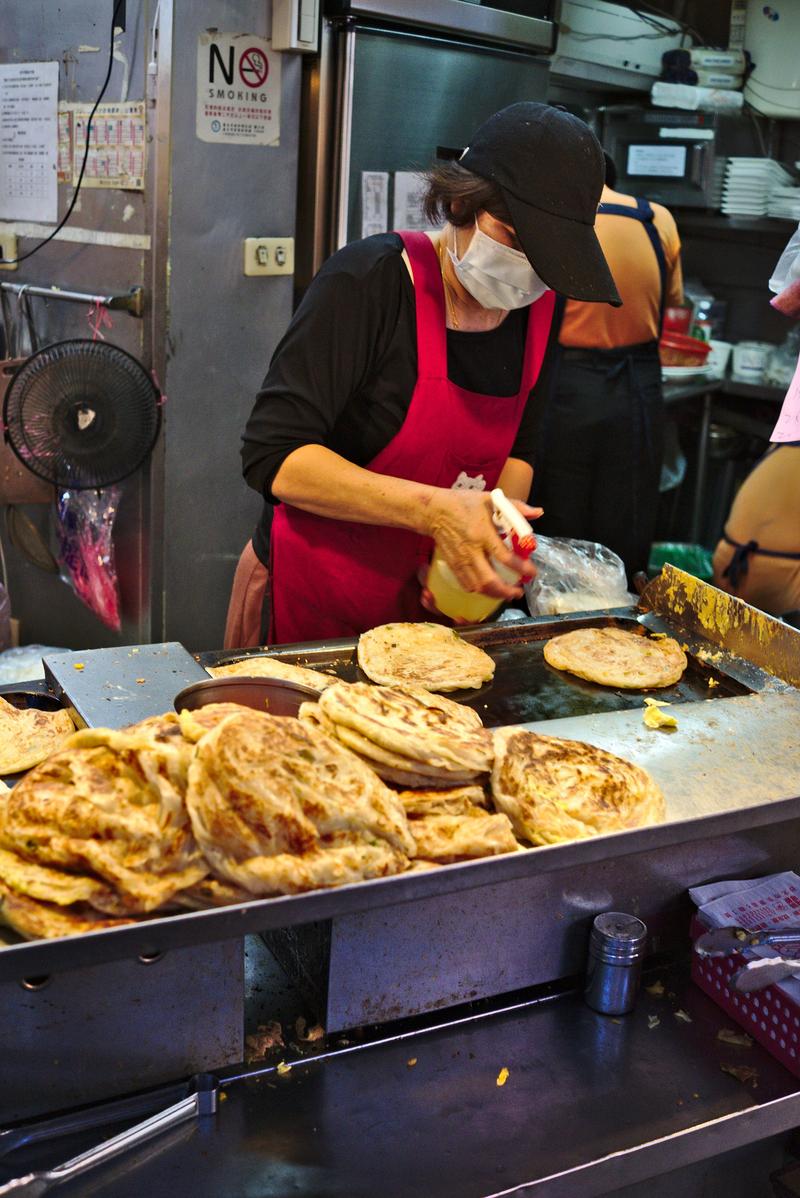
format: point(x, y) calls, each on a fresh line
point(550, 169)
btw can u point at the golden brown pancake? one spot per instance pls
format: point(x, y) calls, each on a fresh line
point(426, 655)
point(431, 734)
point(554, 790)
point(95, 811)
point(614, 657)
point(28, 735)
point(278, 808)
point(257, 666)
point(35, 920)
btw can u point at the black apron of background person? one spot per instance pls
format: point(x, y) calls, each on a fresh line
point(601, 439)
point(739, 564)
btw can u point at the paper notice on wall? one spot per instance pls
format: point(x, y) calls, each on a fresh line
point(374, 202)
point(116, 145)
point(409, 189)
point(238, 90)
point(29, 141)
point(64, 144)
point(788, 426)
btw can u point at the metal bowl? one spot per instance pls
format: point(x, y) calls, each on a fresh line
point(275, 696)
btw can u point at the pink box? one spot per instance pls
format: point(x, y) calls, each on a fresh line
point(769, 1016)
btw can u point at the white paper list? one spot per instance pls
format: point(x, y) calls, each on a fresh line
point(29, 141)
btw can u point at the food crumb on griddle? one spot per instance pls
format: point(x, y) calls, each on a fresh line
point(411, 1062)
point(729, 1036)
point(683, 1016)
point(743, 1073)
point(653, 1021)
point(502, 1077)
point(282, 1068)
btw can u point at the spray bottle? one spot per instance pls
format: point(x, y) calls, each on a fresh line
point(450, 597)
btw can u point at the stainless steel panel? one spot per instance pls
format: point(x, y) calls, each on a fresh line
point(590, 1105)
point(489, 24)
point(221, 327)
point(115, 687)
point(412, 93)
point(93, 1033)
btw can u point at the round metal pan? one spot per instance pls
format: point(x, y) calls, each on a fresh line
point(275, 696)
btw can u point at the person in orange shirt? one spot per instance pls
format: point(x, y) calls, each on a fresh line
point(600, 442)
point(758, 556)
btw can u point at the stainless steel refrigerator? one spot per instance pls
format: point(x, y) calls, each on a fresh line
point(396, 83)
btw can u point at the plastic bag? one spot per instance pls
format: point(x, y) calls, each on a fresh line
point(25, 663)
point(86, 550)
point(575, 576)
point(788, 268)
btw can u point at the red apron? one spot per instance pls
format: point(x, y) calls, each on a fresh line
point(331, 578)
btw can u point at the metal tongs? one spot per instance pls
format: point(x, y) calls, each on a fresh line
point(755, 975)
point(202, 1102)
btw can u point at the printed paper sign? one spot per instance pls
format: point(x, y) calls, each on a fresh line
point(374, 202)
point(409, 188)
point(116, 148)
point(29, 141)
point(788, 426)
point(238, 90)
point(661, 161)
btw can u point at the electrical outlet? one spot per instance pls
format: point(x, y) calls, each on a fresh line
point(269, 255)
point(8, 250)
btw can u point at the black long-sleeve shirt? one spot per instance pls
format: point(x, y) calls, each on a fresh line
point(344, 372)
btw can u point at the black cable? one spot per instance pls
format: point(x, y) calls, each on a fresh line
point(13, 261)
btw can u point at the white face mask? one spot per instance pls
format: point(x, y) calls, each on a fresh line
point(496, 275)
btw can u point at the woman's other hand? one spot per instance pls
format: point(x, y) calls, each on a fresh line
point(460, 524)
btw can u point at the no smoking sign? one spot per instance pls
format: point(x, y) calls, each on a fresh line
point(238, 89)
point(253, 67)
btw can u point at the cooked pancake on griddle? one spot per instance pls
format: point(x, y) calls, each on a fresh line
point(445, 838)
point(279, 808)
point(430, 735)
point(461, 800)
point(614, 657)
point(554, 790)
point(35, 920)
point(427, 655)
point(195, 724)
point(263, 666)
point(454, 825)
point(112, 814)
point(28, 735)
point(52, 885)
point(392, 767)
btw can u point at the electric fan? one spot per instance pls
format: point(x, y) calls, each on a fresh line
point(82, 414)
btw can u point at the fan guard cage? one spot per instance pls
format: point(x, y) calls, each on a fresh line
point(82, 414)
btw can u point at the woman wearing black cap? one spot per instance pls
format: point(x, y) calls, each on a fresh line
point(399, 396)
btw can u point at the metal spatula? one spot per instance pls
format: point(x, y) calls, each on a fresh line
point(723, 942)
point(204, 1102)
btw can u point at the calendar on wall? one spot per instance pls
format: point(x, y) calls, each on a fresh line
point(116, 146)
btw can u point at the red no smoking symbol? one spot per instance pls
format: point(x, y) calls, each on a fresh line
point(253, 67)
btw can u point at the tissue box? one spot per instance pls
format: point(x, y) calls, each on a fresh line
point(771, 1017)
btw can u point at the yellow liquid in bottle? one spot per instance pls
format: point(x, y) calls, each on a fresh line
point(452, 600)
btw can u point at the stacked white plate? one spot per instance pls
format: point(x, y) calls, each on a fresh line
point(749, 182)
point(784, 201)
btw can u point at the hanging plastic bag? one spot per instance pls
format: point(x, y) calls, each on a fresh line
point(86, 550)
point(575, 576)
point(785, 281)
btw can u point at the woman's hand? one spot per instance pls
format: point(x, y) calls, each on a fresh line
point(460, 523)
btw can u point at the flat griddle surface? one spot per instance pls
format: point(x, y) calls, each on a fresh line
point(524, 688)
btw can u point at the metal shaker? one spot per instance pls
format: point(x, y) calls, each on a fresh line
point(616, 951)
